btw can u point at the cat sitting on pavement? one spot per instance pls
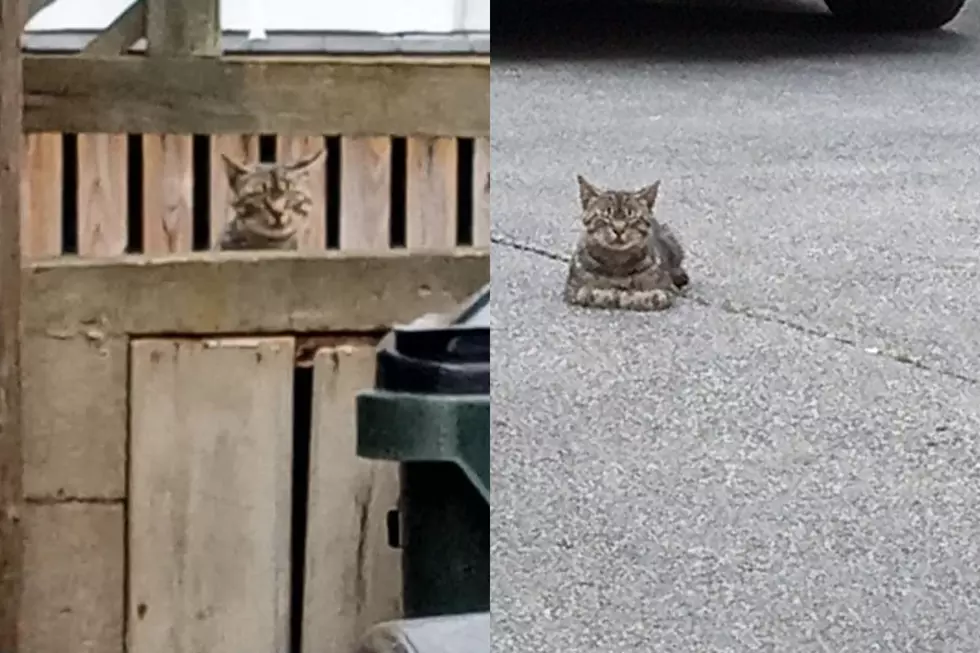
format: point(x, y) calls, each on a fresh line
point(625, 258)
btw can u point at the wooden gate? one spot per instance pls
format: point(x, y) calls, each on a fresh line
point(190, 476)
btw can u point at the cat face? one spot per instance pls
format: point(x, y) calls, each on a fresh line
point(271, 199)
point(617, 220)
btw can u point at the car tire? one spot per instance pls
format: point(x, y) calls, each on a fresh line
point(895, 15)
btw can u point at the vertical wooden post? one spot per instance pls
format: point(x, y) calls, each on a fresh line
point(183, 27)
point(12, 16)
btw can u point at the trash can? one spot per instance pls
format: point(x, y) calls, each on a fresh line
point(430, 411)
point(469, 633)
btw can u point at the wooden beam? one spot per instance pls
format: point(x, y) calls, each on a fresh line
point(353, 96)
point(245, 293)
point(12, 18)
point(126, 30)
point(183, 28)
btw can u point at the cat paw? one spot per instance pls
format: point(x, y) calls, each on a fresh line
point(588, 297)
point(647, 300)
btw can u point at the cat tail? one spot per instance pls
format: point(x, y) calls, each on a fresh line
point(674, 253)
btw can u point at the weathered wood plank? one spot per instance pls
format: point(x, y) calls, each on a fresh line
point(294, 148)
point(121, 34)
point(12, 17)
point(430, 202)
point(242, 148)
point(353, 578)
point(363, 96)
point(75, 414)
point(210, 511)
point(247, 292)
point(102, 194)
point(41, 187)
point(365, 193)
point(481, 192)
point(168, 193)
point(183, 28)
point(74, 578)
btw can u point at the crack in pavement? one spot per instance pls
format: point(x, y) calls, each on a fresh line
point(731, 308)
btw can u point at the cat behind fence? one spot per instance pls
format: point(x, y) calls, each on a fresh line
point(270, 204)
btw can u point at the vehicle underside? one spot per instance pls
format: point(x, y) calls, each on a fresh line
point(896, 14)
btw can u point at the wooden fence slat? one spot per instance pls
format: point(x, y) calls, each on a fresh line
point(293, 148)
point(244, 149)
point(102, 194)
point(75, 415)
point(74, 578)
point(211, 465)
point(430, 203)
point(41, 188)
point(353, 578)
point(168, 193)
point(365, 193)
point(481, 192)
point(12, 557)
point(247, 292)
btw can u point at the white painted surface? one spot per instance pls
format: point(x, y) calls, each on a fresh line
point(379, 16)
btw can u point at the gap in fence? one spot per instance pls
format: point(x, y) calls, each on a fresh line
point(201, 154)
point(333, 193)
point(464, 192)
point(69, 194)
point(134, 194)
point(107, 194)
point(399, 190)
point(302, 432)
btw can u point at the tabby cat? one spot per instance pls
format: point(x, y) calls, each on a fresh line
point(625, 258)
point(270, 204)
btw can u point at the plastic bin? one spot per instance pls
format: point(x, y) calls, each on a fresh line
point(430, 411)
point(468, 633)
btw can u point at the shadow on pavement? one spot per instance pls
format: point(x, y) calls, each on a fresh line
point(733, 30)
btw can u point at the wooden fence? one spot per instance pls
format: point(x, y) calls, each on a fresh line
point(190, 478)
point(177, 467)
point(109, 194)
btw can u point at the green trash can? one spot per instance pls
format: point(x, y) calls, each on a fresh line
point(469, 633)
point(430, 411)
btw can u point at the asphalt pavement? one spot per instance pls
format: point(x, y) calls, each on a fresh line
point(788, 460)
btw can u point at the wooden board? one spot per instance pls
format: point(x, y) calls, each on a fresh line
point(481, 192)
point(74, 578)
point(121, 34)
point(353, 578)
point(12, 17)
point(247, 292)
point(294, 148)
point(102, 194)
point(243, 148)
point(41, 188)
point(182, 28)
point(430, 203)
point(209, 522)
point(168, 194)
point(365, 193)
point(75, 416)
point(354, 96)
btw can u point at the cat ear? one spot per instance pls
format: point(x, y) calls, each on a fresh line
point(648, 194)
point(233, 170)
point(303, 166)
point(586, 192)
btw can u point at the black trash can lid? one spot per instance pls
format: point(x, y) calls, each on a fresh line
point(459, 337)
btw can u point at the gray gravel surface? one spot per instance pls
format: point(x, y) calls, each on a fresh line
point(787, 461)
